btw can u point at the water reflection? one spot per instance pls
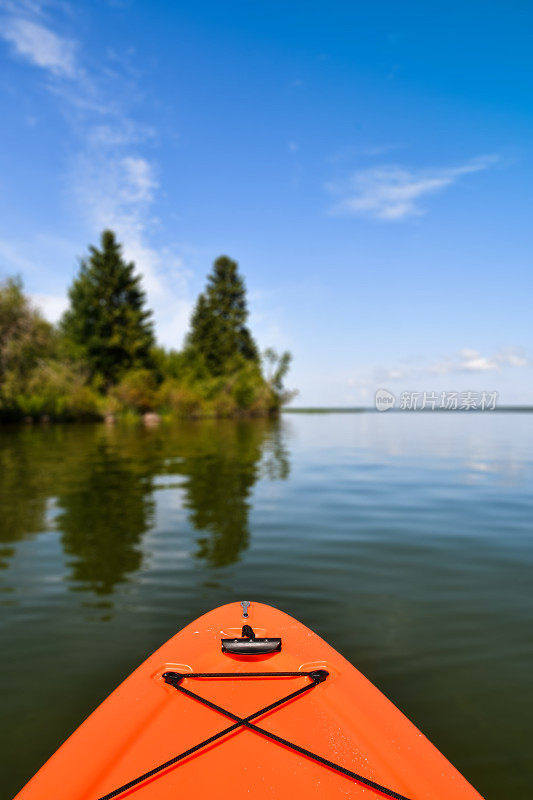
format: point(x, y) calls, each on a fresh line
point(105, 508)
point(95, 487)
point(275, 463)
point(26, 481)
point(405, 540)
point(221, 469)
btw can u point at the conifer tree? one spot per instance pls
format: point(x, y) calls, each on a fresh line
point(218, 326)
point(107, 321)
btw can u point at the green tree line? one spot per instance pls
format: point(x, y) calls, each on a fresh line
point(102, 359)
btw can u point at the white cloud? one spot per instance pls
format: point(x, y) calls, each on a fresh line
point(52, 305)
point(125, 133)
point(114, 189)
point(392, 192)
point(112, 182)
point(139, 181)
point(118, 192)
point(472, 361)
point(512, 359)
point(465, 361)
point(41, 46)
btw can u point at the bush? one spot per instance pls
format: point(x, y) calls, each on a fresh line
point(179, 399)
point(244, 392)
point(223, 406)
point(59, 391)
point(136, 390)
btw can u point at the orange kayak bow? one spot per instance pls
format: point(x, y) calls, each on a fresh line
point(247, 702)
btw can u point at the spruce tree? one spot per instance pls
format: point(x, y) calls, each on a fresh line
point(107, 321)
point(218, 325)
point(202, 326)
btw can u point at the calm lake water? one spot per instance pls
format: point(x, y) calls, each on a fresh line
point(405, 540)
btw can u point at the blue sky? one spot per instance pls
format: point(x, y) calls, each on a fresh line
point(368, 164)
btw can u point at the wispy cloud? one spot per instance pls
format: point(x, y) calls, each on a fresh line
point(39, 45)
point(112, 181)
point(465, 361)
point(391, 192)
point(118, 191)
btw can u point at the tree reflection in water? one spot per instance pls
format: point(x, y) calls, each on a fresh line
point(223, 465)
point(104, 512)
point(100, 482)
point(27, 478)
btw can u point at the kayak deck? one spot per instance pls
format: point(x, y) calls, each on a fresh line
point(153, 717)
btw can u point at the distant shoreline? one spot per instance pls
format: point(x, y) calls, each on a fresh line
point(371, 410)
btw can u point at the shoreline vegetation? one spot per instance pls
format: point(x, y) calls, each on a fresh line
point(102, 362)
